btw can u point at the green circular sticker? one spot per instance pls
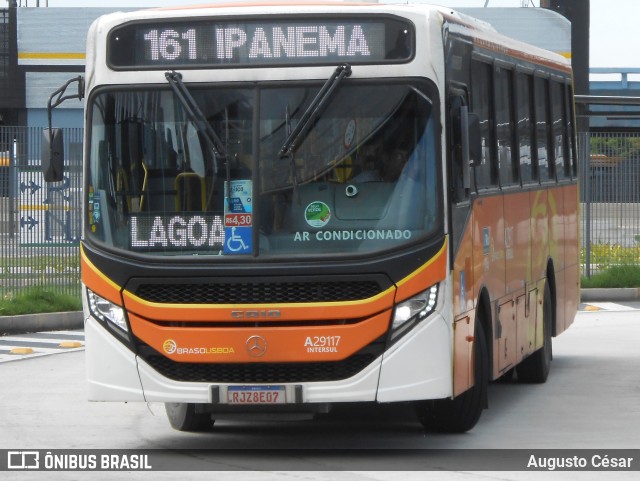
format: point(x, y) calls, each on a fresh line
point(317, 214)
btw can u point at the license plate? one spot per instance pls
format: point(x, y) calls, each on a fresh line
point(256, 395)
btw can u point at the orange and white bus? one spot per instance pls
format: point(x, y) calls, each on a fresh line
point(290, 206)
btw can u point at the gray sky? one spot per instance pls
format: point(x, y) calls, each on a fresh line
point(614, 23)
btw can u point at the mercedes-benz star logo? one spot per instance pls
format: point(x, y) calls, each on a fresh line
point(256, 346)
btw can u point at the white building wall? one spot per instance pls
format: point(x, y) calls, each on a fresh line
point(51, 48)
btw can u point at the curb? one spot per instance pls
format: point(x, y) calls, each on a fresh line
point(52, 321)
point(608, 295)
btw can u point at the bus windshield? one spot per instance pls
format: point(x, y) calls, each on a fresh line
point(362, 178)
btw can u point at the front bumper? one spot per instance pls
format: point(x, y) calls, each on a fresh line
point(417, 367)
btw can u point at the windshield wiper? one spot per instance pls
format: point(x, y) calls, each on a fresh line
point(195, 114)
point(317, 106)
point(197, 117)
point(314, 110)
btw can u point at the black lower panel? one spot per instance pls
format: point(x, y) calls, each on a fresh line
point(262, 372)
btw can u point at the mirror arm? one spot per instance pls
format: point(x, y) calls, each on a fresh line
point(53, 144)
point(59, 96)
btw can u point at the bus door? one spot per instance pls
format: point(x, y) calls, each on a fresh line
point(460, 204)
point(461, 238)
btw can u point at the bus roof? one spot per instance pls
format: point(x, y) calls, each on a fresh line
point(484, 36)
point(478, 32)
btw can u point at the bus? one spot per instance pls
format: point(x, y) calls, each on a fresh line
point(292, 206)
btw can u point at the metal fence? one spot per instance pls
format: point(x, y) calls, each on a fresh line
point(40, 223)
point(610, 200)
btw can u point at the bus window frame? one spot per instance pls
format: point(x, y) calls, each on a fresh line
point(487, 65)
point(557, 89)
point(513, 167)
point(543, 77)
point(571, 129)
point(526, 75)
point(457, 92)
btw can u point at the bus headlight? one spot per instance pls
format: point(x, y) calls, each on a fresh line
point(410, 312)
point(107, 311)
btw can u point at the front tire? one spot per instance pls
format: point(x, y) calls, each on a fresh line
point(184, 417)
point(535, 368)
point(460, 414)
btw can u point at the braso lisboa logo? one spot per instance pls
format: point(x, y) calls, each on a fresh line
point(171, 347)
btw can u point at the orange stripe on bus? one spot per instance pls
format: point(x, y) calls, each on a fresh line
point(275, 344)
point(97, 281)
point(316, 311)
point(432, 272)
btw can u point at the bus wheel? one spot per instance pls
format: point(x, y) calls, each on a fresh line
point(183, 417)
point(536, 367)
point(460, 414)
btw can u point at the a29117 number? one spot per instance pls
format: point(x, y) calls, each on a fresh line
point(322, 341)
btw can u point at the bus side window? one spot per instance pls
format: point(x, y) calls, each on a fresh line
point(559, 136)
point(541, 93)
point(507, 154)
point(485, 173)
point(524, 109)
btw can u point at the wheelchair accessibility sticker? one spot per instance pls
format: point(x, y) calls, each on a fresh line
point(237, 240)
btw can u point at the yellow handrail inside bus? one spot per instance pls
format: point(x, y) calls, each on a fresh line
point(144, 184)
point(122, 186)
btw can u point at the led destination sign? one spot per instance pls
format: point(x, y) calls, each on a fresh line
point(213, 43)
point(197, 232)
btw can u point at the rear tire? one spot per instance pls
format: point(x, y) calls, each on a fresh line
point(535, 368)
point(183, 417)
point(460, 414)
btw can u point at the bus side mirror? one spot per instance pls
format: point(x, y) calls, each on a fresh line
point(52, 155)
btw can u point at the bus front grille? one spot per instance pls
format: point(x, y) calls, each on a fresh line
point(256, 292)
